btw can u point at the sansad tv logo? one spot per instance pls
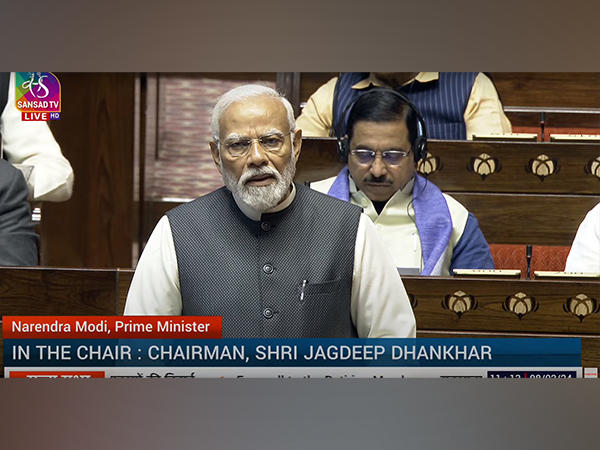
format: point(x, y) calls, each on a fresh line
point(37, 95)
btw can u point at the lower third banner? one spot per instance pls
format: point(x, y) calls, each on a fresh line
point(283, 358)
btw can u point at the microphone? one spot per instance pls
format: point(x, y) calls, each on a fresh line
point(543, 123)
point(528, 255)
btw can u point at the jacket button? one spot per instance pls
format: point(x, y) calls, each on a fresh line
point(268, 313)
point(268, 269)
point(265, 226)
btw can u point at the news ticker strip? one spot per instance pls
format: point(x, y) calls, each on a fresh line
point(429, 352)
point(111, 327)
point(297, 372)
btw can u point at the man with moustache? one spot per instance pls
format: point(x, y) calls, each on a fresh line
point(273, 258)
point(425, 230)
point(455, 105)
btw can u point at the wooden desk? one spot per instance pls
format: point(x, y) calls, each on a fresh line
point(474, 307)
point(35, 291)
point(444, 307)
point(521, 193)
point(483, 166)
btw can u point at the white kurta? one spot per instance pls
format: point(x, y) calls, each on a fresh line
point(397, 224)
point(379, 302)
point(585, 251)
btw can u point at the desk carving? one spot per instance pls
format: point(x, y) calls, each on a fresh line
point(459, 303)
point(484, 165)
point(593, 167)
point(582, 306)
point(429, 165)
point(543, 166)
point(520, 304)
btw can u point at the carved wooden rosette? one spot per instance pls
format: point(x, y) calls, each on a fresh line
point(429, 165)
point(484, 165)
point(543, 166)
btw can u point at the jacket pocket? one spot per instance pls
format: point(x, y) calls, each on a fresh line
point(322, 288)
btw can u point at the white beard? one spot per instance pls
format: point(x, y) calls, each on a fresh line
point(261, 198)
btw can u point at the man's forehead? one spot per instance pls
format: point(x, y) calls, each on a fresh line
point(375, 132)
point(237, 135)
point(255, 110)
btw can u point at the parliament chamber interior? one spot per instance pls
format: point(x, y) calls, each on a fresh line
point(138, 145)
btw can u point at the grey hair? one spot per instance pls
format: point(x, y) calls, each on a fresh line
point(242, 93)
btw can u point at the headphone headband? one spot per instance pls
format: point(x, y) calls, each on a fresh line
point(420, 145)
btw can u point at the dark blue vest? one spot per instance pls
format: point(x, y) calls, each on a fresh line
point(287, 276)
point(441, 102)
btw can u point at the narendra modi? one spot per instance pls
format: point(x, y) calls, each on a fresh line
point(274, 259)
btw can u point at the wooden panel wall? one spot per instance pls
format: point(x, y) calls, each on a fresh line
point(527, 219)
point(96, 134)
point(549, 89)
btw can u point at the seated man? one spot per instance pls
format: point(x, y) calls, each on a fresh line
point(18, 241)
point(455, 105)
point(585, 251)
point(274, 259)
point(423, 228)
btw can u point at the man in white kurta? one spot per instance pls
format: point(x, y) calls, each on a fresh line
point(396, 225)
point(243, 128)
point(427, 232)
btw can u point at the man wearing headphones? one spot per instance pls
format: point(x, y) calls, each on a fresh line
point(426, 231)
point(455, 105)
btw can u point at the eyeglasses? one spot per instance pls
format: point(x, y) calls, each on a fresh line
point(271, 143)
point(390, 157)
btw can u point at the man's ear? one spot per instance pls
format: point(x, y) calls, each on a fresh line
point(214, 149)
point(297, 143)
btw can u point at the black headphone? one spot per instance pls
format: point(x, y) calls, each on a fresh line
point(420, 147)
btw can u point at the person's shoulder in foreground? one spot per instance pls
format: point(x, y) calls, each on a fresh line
point(272, 258)
point(31, 143)
point(18, 241)
point(585, 250)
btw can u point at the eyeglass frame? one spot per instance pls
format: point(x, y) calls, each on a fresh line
point(251, 142)
point(383, 156)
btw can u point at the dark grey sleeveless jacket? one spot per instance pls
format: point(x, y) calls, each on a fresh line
point(253, 273)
